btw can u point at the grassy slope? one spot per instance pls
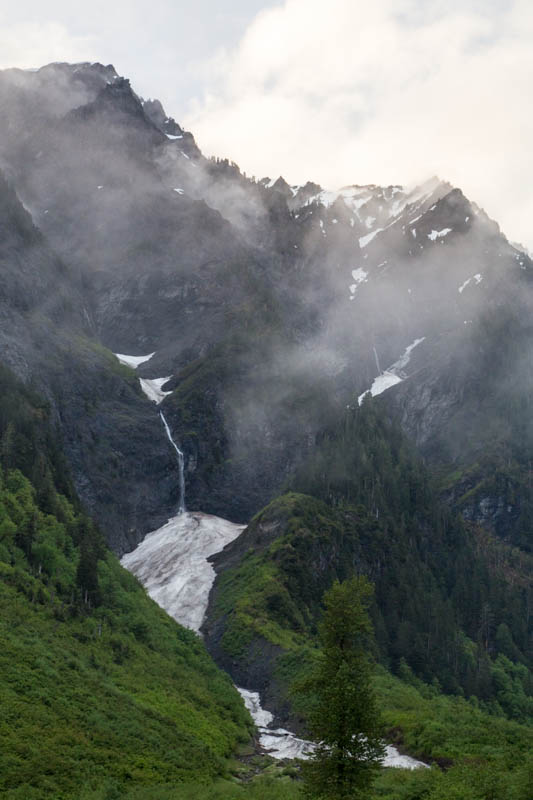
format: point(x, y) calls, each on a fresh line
point(491, 756)
point(112, 696)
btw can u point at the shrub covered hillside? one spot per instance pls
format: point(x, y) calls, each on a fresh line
point(445, 604)
point(100, 690)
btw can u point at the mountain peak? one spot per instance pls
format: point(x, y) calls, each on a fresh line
point(117, 101)
point(156, 113)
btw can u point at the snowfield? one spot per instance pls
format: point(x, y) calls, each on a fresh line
point(172, 564)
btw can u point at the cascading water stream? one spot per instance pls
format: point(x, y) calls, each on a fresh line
point(181, 465)
point(377, 360)
point(172, 563)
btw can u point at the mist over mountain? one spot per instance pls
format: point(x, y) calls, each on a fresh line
point(346, 372)
point(255, 289)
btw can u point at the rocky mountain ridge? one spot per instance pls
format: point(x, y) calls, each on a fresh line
point(270, 307)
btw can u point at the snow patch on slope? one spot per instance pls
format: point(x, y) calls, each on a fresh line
point(439, 234)
point(364, 240)
point(381, 384)
point(152, 388)
point(406, 356)
point(133, 361)
point(393, 375)
point(360, 276)
point(477, 278)
point(172, 564)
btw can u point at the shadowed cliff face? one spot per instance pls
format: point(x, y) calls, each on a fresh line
point(270, 307)
point(122, 467)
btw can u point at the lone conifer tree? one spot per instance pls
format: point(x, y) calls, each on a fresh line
point(344, 722)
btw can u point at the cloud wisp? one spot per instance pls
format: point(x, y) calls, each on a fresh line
point(385, 92)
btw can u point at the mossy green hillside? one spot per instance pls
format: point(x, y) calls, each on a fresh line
point(475, 756)
point(96, 685)
point(271, 582)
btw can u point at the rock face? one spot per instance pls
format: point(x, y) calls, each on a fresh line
point(271, 307)
point(122, 467)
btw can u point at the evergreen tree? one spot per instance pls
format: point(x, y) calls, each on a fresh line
point(344, 722)
point(91, 551)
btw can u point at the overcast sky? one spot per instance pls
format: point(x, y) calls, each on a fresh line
point(344, 91)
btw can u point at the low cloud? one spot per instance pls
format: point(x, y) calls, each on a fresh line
point(28, 45)
point(384, 92)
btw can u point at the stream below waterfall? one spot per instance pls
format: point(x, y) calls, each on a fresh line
point(172, 564)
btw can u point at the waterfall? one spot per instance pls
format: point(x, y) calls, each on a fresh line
point(377, 361)
point(181, 464)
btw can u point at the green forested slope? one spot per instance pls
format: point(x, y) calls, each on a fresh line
point(443, 605)
point(99, 689)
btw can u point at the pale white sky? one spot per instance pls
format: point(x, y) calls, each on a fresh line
point(385, 91)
